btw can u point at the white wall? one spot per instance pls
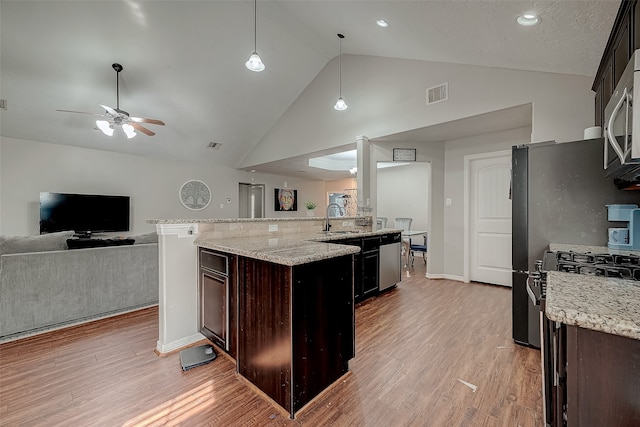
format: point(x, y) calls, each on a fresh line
point(387, 96)
point(403, 191)
point(29, 167)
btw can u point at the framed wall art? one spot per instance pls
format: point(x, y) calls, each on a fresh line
point(286, 199)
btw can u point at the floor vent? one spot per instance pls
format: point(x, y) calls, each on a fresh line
point(438, 93)
point(3, 104)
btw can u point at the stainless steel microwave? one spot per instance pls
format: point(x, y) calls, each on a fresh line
point(621, 148)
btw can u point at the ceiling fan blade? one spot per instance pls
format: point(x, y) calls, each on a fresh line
point(81, 112)
point(143, 120)
point(141, 128)
point(110, 110)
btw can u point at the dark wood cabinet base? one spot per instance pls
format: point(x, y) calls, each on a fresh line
point(602, 379)
point(296, 327)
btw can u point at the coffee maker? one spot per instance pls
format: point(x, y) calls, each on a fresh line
point(625, 237)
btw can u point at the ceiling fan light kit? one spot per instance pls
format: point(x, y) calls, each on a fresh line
point(117, 118)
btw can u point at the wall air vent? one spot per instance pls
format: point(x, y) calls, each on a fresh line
point(214, 145)
point(3, 104)
point(438, 93)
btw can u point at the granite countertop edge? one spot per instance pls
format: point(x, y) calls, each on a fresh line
point(597, 303)
point(234, 220)
point(290, 250)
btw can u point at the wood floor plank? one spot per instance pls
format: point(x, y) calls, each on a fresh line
point(414, 347)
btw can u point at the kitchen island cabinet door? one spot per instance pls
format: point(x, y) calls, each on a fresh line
point(323, 329)
point(264, 327)
point(296, 327)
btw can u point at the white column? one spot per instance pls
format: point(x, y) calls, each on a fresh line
point(364, 170)
point(178, 298)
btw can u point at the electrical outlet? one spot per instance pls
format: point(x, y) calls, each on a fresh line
point(345, 223)
point(221, 205)
point(448, 202)
point(273, 227)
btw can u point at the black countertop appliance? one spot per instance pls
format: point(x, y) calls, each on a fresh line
point(559, 195)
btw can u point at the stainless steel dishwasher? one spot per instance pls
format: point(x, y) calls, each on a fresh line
point(390, 271)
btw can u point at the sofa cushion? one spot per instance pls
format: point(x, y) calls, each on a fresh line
point(43, 243)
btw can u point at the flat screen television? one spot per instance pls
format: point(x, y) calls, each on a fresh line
point(83, 213)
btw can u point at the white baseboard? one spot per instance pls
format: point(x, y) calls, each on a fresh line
point(444, 276)
point(178, 344)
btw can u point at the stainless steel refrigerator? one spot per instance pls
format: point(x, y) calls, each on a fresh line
point(559, 195)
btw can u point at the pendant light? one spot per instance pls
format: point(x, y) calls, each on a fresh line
point(340, 105)
point(255, 63)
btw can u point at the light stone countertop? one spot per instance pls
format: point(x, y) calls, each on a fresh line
point(598, 303)
point(289, 249)
point(232, 220)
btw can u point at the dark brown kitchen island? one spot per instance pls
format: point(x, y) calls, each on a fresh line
point(295, 316)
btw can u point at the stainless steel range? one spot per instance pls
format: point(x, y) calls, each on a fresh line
point(625, 267)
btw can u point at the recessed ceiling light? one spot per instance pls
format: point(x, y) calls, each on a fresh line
point(528, 19)
point(382, 23)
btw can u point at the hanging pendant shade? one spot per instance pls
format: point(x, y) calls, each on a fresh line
point(255, 63)
point(340, 105)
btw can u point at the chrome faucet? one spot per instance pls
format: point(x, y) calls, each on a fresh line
point(327, 226)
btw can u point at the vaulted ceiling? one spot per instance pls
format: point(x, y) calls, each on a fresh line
point(184, 60)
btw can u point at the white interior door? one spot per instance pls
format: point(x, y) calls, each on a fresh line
point(490, 220)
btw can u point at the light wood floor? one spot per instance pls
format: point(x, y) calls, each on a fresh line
point(415, 347)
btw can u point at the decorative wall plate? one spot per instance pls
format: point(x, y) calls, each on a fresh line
point(195, 195)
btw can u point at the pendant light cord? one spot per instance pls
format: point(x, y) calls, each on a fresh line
point(340, 73)
point(255, 25)
point(340, 36)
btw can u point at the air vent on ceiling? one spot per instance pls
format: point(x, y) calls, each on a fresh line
point(3, 104)
point(438, 93)
point(214, 145)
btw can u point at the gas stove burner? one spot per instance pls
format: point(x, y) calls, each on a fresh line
point(625, 267)
point(616, 272)
point(626, 260)
point(589, 270)
point(603, 259)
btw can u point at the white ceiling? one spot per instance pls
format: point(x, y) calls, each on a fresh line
point(184, 62)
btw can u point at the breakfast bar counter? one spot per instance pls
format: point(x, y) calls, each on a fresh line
point(290, 250)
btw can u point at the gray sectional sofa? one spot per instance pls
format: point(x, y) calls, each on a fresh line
point(44, 285)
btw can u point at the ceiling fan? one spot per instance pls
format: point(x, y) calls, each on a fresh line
point(115, 117)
